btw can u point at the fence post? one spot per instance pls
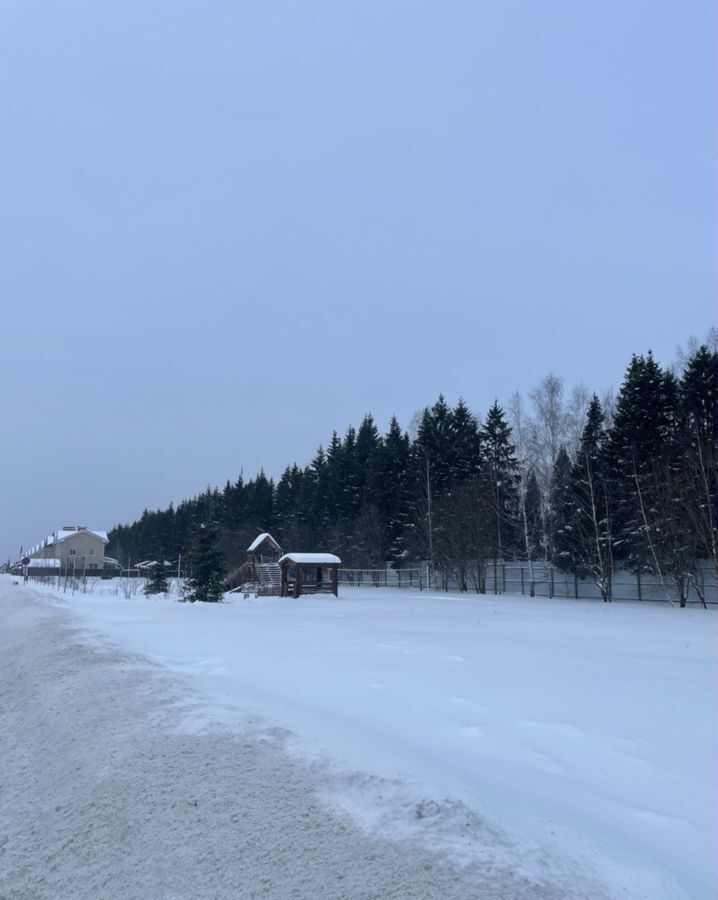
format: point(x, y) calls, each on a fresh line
point(638, 584)
point(550, 572)
point(522, 581)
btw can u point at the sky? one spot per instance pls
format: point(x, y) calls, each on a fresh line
point(229, 228)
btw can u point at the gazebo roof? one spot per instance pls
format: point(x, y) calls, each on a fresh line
point(311, 559)
point(260, 539)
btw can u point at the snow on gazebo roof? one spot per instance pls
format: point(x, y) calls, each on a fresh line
point(316, 559)
point(260, 539)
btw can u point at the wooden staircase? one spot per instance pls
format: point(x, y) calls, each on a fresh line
point(270, 579)
point(245, 574)
point(264, 578)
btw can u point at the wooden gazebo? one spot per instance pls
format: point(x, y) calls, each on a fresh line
point(261, 567)
point(309, 573)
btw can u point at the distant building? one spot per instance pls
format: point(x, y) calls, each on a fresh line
point(76, 547)
point(112, 565)
point(145, 567)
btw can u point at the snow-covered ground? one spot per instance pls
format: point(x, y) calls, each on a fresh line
point(572, 742)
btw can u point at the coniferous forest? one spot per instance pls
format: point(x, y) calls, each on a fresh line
point(584, 483)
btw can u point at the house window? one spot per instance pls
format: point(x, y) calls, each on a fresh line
point(92, 567)
point(92, 551)
point(72, 552)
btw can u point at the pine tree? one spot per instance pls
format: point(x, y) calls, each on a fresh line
point(368, 448)
point(259, 504)
point(532, 507)
point(501, 472)
point(465, 444)
point(288, 509)
point(699, 427)
point(641, 439)
point(318, 504)
point(336, 477)
point(434, 441)
point(565, 555)
point(206, 565)
point(395, 490)
point(158, 582)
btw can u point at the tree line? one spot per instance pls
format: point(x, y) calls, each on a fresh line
point(588, 485)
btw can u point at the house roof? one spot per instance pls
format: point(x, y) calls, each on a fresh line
point(316, 559)
point(63, 535)
point(260, 539)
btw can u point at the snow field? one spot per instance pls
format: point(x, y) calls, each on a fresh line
point(573, 742)
point(104, 798)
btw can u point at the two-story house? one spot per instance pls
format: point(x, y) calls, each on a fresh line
point(78, 549)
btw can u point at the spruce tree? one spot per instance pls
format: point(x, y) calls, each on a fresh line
point(699, 427)
point(158, 582)
point(501, 470)
point(206, 565)
point(288, 507)
point(335, 478)
point(368, 449)
point(640, 445)
point(350, 499)
point(532, 508)
point(434, 441)
point(395, 497)
point(465, 444)
point(563, 536)
point(318, 508)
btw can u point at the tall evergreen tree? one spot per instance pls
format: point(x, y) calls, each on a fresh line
point(565, 552)
point(699, 426)
point(288, 506)
point(501, 480)
point(368, 448)
point(435, 445)
point(206, 565)
point(395, 497)
point(318, 508)
point(532, 507)
point(336, 479)
point(643, 430)
point(465, 444)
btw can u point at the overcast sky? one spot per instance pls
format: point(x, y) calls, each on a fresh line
point(227, 228)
